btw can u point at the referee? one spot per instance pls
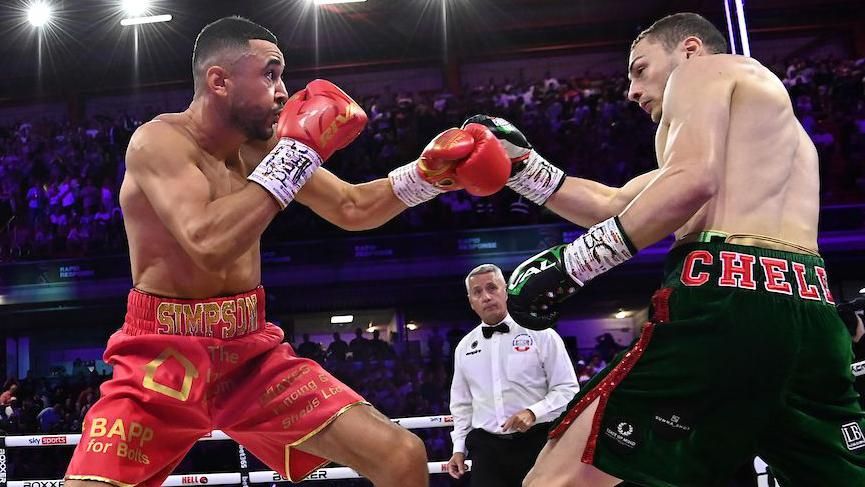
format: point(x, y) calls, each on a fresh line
point(509, 383)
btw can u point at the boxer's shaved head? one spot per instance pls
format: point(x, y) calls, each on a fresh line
point(238, 62)
point(221, 42)
point(673, 29)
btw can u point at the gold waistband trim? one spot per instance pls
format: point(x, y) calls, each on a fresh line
point(748, 239)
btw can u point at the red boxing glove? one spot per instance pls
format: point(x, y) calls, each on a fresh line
point(471, 158)
point(322, 117)
point(315, 122)
point(487, 169)
point(438, 161)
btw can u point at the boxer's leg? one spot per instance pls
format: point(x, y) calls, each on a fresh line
point(559, 462)
point(294, 416)
point(367, 441)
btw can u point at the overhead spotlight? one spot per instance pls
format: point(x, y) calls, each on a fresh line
point(341, 319)
point(862, 291)
point(371, 328)
point(334, 2)
point(135, 8)
point(38, 14)
point(411, 326)
point(146, 20)
point(622, 314)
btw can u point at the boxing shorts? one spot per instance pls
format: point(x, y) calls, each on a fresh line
point(744, 354)
point(184, 367)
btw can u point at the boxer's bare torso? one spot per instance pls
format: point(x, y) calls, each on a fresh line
point(160, 263)
point(769, 179)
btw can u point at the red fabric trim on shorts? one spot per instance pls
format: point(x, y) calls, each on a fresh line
point(218, 317)
point(661, 305)
point(603, 390)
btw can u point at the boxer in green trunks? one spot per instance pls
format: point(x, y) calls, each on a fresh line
point(744, 353)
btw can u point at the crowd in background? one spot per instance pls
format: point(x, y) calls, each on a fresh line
point(59, 182)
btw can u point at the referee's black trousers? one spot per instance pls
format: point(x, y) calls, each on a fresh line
point(504, 460)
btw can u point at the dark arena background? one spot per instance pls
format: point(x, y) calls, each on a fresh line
point(73, 89)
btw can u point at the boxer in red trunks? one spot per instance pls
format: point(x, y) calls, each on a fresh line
point(195, 352)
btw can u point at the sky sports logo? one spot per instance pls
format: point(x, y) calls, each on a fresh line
point(53, 440)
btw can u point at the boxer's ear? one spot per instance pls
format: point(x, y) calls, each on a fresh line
point(692, 45)
point(216, 79)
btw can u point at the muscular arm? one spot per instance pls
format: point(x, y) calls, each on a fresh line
point(697, 110)
point(586, 202)
point(214, 233)
point(350, 206)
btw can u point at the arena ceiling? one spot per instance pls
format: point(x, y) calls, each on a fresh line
point(86, 49)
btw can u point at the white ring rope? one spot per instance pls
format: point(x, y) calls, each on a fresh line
point(234, 478)
point(58, 440)
point(231, 478)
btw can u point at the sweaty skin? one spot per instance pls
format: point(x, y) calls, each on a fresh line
point(732, 157)
point(193, 220)
point(194, 223)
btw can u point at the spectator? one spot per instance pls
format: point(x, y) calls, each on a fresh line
point(49, 418)
point(338, 348)
point(8, 395)
point(607, 347)
point(380, 349)
point(309, 349)
point(359, 346)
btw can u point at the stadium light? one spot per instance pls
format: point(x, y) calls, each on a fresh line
point(622, 314)
point(341, 319)
point(146, 20)
point(411, 326)
point(334, 2)
point(862, 291)
point(135, 8)
point(39, 14)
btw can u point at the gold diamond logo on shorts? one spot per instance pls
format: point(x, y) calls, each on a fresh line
point(189, 373)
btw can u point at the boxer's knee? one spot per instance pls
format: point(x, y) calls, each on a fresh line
point(401, 462)
point(409, 454)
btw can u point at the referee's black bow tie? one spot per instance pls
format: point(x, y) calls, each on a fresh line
point(489, 330)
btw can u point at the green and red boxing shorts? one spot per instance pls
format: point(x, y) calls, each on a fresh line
point(744, 354)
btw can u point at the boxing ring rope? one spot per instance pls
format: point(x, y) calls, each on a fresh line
point(736, 24)
point(232, 478)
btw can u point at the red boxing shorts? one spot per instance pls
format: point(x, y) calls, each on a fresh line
point(185, 367)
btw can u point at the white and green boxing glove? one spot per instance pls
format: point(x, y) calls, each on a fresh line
point(539, 284)
point(532, 176)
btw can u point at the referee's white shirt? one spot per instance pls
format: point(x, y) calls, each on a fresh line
point(497, 377)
